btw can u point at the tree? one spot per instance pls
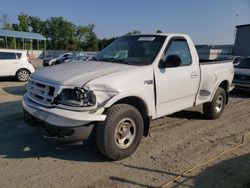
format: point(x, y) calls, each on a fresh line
point(86, 38)
point(5, 21)
point(36, 24)
point(102, 43)
point(60, 32)
point(134, 32)
point(159, 31)
point(23, 22)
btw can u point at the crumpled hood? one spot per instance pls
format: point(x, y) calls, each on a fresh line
point(77, 74)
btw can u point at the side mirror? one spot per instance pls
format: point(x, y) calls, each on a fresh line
point(236, 61)
point(171, 61)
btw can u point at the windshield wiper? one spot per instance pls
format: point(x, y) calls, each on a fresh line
point(125, 61)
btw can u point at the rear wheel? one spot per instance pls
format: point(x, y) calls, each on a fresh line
point(22, 75)
point(121, 133)
point(215, 108)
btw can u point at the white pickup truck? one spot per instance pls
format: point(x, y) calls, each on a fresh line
point(115, 96)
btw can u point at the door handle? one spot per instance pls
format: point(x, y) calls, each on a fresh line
point(194, 74)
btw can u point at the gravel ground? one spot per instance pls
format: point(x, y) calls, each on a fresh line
point(176, 143)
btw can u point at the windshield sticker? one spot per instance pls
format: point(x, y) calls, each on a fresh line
point(146, 39)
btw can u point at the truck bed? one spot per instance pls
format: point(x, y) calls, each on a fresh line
point(215, 61)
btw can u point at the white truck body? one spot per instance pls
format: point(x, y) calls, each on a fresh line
point(160, 91)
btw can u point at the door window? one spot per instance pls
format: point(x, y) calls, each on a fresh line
point(179, 47)
point(9, 55)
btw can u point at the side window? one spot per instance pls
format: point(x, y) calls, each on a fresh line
point(179, 47)
point(18, 55)
point(1, 55)
point(8, 55)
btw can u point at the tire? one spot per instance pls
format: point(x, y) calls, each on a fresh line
point(22, 75)
point(215, 108)
point(121, 133)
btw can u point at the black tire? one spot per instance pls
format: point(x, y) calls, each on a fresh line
point(215, 108)
point(23, 75)
point(111, 133)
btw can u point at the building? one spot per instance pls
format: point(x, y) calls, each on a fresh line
point(242, 40)
point(211, 52)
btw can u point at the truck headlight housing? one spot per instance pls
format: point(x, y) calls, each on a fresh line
point(77, 97)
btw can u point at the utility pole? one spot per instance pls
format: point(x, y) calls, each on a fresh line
point(235, 24)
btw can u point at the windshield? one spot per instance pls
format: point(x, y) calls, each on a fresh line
point(134, 50)
point(72, 55)
point(245, 64)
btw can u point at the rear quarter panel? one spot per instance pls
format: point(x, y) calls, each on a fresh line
point(212, 75)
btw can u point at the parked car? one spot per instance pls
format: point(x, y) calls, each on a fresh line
point(242, 75)
point(53, 61)
point(79, 57)
point(115, 96)
point(15, 63)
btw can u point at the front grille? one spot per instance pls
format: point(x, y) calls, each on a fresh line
point(40, 92)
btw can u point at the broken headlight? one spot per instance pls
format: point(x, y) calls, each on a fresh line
point(77, 97)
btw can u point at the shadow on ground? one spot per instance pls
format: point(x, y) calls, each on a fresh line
point(18, 140)
point(146, 170)
point(8, 78)
point(239, 94)
point(231, 173)
point(187, 114)
point(16, 90)
point(234, 172)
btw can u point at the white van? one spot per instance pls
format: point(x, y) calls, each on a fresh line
point(15, 63)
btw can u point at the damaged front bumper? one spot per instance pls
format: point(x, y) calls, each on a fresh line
point(60, 124)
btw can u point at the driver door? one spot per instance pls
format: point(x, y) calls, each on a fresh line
point(176, 87)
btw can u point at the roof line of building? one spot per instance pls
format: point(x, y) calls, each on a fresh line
point(245, 25)
point(21, 34)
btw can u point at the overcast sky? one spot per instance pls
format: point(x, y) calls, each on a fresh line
point(208, 22)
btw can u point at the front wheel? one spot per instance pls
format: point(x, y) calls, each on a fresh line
point(23, 75)
point(121, 133)
point(215, 108)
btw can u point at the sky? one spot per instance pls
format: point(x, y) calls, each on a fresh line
point(207, 22)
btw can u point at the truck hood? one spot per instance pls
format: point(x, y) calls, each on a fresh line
point(77, 74)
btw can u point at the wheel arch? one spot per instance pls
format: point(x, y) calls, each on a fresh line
point(141, 106)
point(22, 69)
point(225, 85)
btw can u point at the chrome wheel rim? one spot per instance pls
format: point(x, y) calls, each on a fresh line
point(125, 133)
point(23, 75)
point(219, 104)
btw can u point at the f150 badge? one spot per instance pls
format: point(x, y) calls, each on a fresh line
point(148, 82)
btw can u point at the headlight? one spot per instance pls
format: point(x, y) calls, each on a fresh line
point(77, 97)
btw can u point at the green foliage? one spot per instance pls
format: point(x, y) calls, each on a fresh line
point(105, 42)
point(23, 22)
point(159, 31)
point(134, 32)
point(4, 20)
point(2, 43)
point(60, 33)
point(36, 25)
point(86, 38)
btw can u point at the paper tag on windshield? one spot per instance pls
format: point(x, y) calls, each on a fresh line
point(146, 39)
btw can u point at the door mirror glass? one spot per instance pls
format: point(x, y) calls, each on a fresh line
point(171, 61)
